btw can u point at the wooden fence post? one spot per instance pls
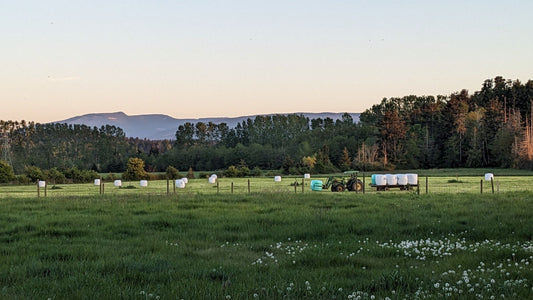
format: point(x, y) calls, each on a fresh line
point(218, 187)
point(492, 184)
point(232, 187)
point(364, 183)
point(303, 184)
point(481, 185)
point(356, 189)
point(248, 186)
point(38, 190)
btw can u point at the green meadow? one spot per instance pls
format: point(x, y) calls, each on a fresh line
point(460, 181)
point(272, 243)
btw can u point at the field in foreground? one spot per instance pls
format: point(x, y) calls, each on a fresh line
point(267, 246)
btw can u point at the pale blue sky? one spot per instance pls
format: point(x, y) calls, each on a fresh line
point(229, 58)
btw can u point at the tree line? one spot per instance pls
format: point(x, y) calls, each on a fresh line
point(489, 128)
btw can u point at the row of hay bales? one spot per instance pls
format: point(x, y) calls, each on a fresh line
point(180, 183)
point(394, 179)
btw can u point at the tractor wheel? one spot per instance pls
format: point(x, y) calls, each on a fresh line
point(337, 188)
point(350, 185)
point(356, 185)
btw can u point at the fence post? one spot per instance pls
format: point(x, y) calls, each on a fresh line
point(38, 190)
point(45, 186)
point(103, 188)
point(364, 183)
point(168, 187)
point(356, 189)
point(218, 187)
point(303, 184)
point(232, 187)
point(248, 186)
point(492, 184)
point(295, 186)
point(481, 185)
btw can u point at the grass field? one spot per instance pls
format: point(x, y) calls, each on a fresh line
point(464, 181)
point(270, 244)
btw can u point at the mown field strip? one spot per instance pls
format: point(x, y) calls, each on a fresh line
point(435, 184)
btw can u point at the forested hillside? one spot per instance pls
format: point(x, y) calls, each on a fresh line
point(489, 128)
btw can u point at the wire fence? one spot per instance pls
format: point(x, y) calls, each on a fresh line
point(264, 185)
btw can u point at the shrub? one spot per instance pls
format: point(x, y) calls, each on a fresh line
point(203, 175)
point(158, 176)
point(89, 175)
point(55, 176)
point(6, 172)
point(324, 168)
point(190, 174)
point(294, 171)
point(78, 176)
point(22, 179)
point(33, 173)
point(74, 174)
point(256, 172)
point(272, 173)
point(309, 161)
point(173, 173)
point(110, 177)
point(232, 171)
point(243, 171)
point(135, 170)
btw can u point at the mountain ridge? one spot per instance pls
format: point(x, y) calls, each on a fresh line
point(161, 126)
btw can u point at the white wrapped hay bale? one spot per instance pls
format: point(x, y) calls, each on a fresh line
point(180, 184)
point(117, 182)
point(381, 180)
point(277, 179)
point(143, 183)
point(392, 179)
point(412, 179)
point(402, 179)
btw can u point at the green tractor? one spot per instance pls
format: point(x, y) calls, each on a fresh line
point(340, 184)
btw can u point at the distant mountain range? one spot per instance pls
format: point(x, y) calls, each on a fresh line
point(158, 127)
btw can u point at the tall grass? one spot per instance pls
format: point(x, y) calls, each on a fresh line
point(266, 246)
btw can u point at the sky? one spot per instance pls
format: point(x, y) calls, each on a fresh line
point(193, 59)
